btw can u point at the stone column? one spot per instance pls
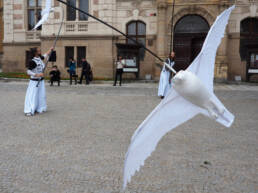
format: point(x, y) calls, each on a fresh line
point(221, 64)
point(161, 32)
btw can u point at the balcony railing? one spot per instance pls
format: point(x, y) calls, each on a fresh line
point(76, 27)
point(32, 35)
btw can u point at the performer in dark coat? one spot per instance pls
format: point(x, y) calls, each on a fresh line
point(86, 68)
point(54, 76)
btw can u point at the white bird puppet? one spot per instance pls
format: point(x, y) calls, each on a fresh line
point(191, 94)
point(44, 14)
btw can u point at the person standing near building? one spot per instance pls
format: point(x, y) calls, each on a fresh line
point(120, 64)
point(165, 76)
point(86, 68)
point(35, 99)
point(72, 70)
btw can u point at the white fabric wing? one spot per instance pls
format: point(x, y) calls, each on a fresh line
point(44, 14)
point(43, 20)
point(203, 65)
point(172, 112)
point(47, 8)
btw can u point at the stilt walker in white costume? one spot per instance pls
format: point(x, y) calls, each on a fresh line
point(165, 77)
point(35, 100)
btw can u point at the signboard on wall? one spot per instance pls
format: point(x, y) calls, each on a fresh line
point(130, 53)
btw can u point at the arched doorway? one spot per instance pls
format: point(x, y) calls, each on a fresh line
point(249, 47)
point(190, 33)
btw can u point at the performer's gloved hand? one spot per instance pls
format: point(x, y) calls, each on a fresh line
point(50, 50)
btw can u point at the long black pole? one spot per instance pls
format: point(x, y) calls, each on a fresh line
point(172, 27)
point(115, 29)
point(58, 34)
point(54, 45)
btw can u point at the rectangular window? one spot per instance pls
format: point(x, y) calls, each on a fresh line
point(71, 13)
point(81, 53)
point(27, 58)
point(32, 3)
point(84, 5)
point(39, 3)
point(34, 13)
point(69, 53)
point(31, 19)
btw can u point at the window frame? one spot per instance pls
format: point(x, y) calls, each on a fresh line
point(87, 10)
point(37, 11)
point(67, 57)
point(136, 36)
point(79, 63)
point(77, 15)
point(68, 8)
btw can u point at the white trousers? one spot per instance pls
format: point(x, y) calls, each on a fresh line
point(35, 100)
point(164, 85)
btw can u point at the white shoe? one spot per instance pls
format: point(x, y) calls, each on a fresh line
point(28, 114)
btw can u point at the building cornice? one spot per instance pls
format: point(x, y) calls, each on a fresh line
point(21, 43)
point(80, 37)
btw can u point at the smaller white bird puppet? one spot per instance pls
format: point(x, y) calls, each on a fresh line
point(191, 94)
point(44, 14)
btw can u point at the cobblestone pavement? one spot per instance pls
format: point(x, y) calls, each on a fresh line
point(80, 143)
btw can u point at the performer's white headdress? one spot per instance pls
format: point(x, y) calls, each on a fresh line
point(191, 94)
point(44, 14)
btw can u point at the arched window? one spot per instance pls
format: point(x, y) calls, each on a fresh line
point(192, 24)
point(137, 31)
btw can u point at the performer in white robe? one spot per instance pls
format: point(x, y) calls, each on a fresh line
point(165, 77)
point(35, 100)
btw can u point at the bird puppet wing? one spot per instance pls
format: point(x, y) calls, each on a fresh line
point(171, 113)
point(44, 14)
point(174, 110)
point(47, 8)
point(203, 65)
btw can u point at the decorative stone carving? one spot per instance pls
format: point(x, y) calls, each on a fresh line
point(136, 14)
point(253, 9)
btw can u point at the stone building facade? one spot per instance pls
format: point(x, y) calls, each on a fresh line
point(1, 32)
point(148, 21)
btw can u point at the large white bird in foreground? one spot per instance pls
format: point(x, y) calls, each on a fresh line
point(44, 14)
point(191, 94)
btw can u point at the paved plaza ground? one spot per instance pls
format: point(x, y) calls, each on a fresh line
point(80, 143)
